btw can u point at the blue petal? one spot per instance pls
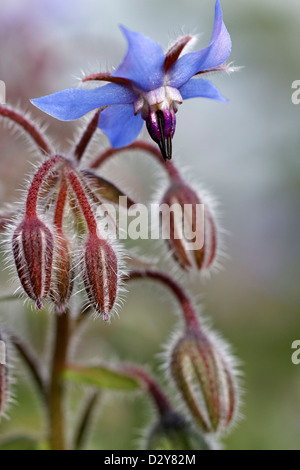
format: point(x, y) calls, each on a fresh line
point(120, 124)
point(73, 103)
point(143, 63)
point(197, 87)
point(215, 54)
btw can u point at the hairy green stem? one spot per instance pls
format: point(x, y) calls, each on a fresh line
point(57, 388)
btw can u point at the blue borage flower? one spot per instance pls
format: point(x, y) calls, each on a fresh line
point(148, 85)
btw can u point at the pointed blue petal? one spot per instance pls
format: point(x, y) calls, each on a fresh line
point(143, 63)
point(73, 103)
point(215, 54)
point(120, 124)
point(199, 88)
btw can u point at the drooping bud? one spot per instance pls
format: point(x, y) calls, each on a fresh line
point(205, 381)
point(100, 274)
point(4, 377)
point(173, 432)
point(32, 246)
point(63, 273)
point(189, 229)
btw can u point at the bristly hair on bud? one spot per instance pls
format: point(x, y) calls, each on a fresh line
point(100, 264)
point(191, 230)
point(63, 270)
point(100, 272)
point(63, 274)
point(206, 375)
point(32, 246)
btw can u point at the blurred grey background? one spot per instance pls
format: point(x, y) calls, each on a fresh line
point(245, 152)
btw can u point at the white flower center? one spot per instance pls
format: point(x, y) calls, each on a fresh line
point(165, 97)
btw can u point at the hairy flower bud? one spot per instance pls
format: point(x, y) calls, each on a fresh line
point(205, 381)
point(63, 273)
point(32, 245)
point(173, 432)
point(4, 378)
point(100, 274)
point(190, 230)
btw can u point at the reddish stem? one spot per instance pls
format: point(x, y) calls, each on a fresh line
point(189, 314)
point(82, 201)
point(27, 126)
point(139, 145)
point(149, 383)
point(87, 136)
point(37, 182)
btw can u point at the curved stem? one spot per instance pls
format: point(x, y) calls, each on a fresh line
point(32, 363)
point(37, 182)
point(57, 388)
point(82, 201)
point(150, 384)
point(150, 149)
point(85, 420)
point(86, 137)
point(28, 127)
point(189, 314)
point(60, 206)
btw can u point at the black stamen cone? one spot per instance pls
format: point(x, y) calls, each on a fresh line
point(165, 144)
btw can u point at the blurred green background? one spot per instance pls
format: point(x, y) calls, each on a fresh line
point(245, 152)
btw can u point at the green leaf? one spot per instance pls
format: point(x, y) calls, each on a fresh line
point(101, 377)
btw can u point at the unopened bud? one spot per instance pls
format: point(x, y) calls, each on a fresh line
point(63, 273)
point(192, 233)
point(205, 381)
point(100, 274)
point(32, 246)
point(173, 432)
point(4, 377)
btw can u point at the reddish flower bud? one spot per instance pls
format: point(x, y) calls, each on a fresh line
point(4, 377)
point(205, 380)
point(63, 273)
point(32, 245)
point(100, 274)
point(188, 227)
point(174, 432)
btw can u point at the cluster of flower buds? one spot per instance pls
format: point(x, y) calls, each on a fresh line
point(42, 250)
point(43, 244)
point(187, 220)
